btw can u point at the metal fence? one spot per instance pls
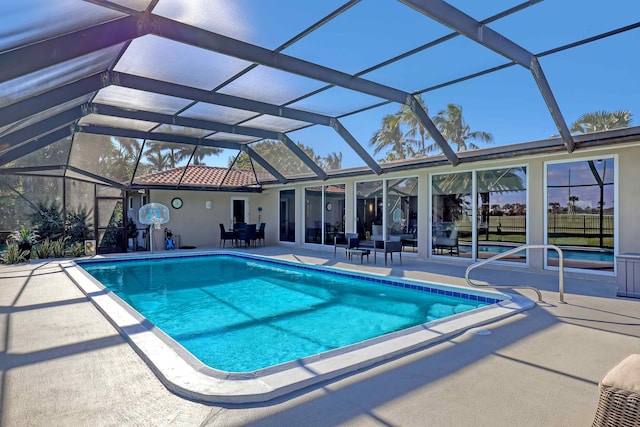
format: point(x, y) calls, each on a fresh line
point(580, 225)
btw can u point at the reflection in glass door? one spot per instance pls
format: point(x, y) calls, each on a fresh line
point(452, 213)
point(287, 216)
point(580, 213)
point(402, 212)
point(501, 212)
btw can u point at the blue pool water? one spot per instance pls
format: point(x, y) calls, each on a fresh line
point(239, 314)
point(603, 255)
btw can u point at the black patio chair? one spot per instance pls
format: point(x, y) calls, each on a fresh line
point(260, 234)
point(227, 235)
point(247, 235)
point(347, 241)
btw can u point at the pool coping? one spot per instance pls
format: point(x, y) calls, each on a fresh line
point(185, 375)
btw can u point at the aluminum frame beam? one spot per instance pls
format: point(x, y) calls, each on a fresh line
point(36, 56)
point(181, 139)
point(258, 158)
point(353, 143)
point(209, 125)
point(145, 23)
point(41, 128)
point(35, 104)
point(33, 145)
point(464, 24)
point(94, 177)
point(211, 41)
point(320, 173)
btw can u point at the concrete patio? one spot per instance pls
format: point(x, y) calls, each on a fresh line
point(64, 364)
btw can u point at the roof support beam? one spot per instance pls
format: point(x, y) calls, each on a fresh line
point(480, 33)
point(302, 156)
point(180, 139)
point(422, 115)
point(187, 92)
point(95, 177)
point(346, 135)
point(258, 158)
point(42, 127)
point(38, 103)
point(36, 144)
point(214, 126)
point(151, 85)
point(149, 116)
point(158, 136)
point(36, 56)
point(218, 43)
point(215, 42)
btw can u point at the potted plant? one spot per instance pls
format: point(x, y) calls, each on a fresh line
point(25, 238)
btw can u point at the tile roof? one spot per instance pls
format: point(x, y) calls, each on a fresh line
point(200, 175)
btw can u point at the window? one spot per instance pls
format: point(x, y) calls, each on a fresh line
point(324, 213)
point(287, 216)
point(452, 214)
point(369, 210)
point(402, 211)
point(501, 212)
point(580, 213)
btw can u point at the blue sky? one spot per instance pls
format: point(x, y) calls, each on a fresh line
point(602, 75)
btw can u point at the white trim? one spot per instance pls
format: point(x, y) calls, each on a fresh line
point(246, 208)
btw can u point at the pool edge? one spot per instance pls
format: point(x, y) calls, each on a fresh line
point(186, 376)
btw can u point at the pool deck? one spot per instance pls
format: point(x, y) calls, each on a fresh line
point(63, 363)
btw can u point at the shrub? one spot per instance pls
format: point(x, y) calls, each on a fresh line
point(77, 249)
point(43, 249)
point(58, 248)
point(24, 236)
point(13, 254)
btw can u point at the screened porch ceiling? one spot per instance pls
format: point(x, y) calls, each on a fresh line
point(234, 94)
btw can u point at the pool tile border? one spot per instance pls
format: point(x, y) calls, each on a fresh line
point(188, 377)
point(401, 283)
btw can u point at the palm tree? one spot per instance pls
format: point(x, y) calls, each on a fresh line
point(417, 134)
point(158, 160)
point(390, 136)
point(456, 131)
point(332, 161)
point(202, 152)
point(601, 121)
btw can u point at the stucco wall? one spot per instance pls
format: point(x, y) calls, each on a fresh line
point(198, 226)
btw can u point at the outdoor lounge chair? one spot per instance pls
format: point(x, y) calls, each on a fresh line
point(619, 403)
point(448, 239)
point(344, 241)
point(394, 244)
point(227, 235)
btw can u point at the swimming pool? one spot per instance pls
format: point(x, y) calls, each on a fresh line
point(587, 254)
point(242, 315)
point(187, 375)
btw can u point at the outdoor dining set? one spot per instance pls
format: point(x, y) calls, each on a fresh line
point(248, 234)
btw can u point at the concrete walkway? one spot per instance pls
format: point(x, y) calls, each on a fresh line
point(63, 364)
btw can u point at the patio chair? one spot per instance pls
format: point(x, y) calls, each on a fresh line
point(227, 235)
point(619, 403)
point(448, 239)
point(260, 234)
point(248, 235)
point(344, 241)
point(394, 244)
